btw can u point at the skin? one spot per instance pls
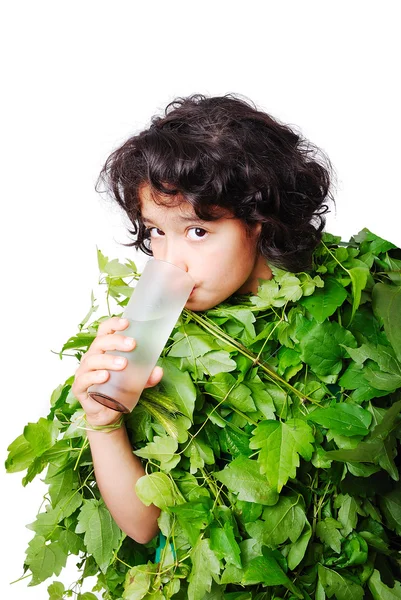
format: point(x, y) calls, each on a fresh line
point(220, 255)
point(222, 259)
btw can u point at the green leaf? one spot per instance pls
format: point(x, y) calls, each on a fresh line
point(138, 580)
point(192, 341)
point(338, 585)
point(343, 418)
point(381, 381)
point(242, 476)
point(319, 459)
point(261, 397)
point(327, 531)
point(205, 565)
point(248, 511)
point(194, 516)
point(321, 348)
point(116, 269)
point(45, 523)
point(355, 551)
point(68, 504)
point(281, 399)
point(265, 569)
point(281, 444)
point(224, 387)
point(375, 449)
point(44, 560)
point(284, 520)
point(199, 453)
point(388, 422)
point(224, 544)
point(243, 316)
point(20, 455)
point(298, 548)
point(359, 277)
point(384, 356)
point(325, 301)
point(56, 590)
point(288, 357)
point(380, 591)
point(377, 244)
point(102, 535)
point(41, 435)
point(386, 302)
point(59, 485)
point(290, 288)
point(179, 386)
point(157, 488)
point(70, 542)
point(353, 378)
point(234, 442)
point(347, 514)
point(394, 269)
point(267, 294)
point(364, 452)
point(390, 505)
point(163, 449)
point(217, 361)
point(366, 326)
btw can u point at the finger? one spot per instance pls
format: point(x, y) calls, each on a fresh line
point(104, 360)
point(155, 377)
point(111, 326)
point(111, 341)
point(85, 380)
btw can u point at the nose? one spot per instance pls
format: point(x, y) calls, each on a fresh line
point(173, 253)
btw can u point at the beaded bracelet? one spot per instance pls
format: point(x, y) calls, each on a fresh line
point(105, 428)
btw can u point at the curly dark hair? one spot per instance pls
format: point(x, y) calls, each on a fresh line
point(223, 152)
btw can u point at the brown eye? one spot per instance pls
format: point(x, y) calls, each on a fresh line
point(154, 232)
point(197, 233)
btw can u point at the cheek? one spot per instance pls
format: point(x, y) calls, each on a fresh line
point(226, 261)
point(231, 265)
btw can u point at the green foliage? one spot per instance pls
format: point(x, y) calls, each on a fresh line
point(271, 445)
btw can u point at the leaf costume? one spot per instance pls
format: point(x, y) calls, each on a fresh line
point(271, 445)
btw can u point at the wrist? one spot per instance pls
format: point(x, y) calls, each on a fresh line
point(104, 416)
point(99, 425)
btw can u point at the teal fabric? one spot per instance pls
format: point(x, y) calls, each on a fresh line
point(162, 543)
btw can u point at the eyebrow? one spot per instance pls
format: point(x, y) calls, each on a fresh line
point(184, 218)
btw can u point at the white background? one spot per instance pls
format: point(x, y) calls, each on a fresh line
point(78, 78)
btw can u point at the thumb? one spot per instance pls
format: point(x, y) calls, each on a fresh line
point(154, 377)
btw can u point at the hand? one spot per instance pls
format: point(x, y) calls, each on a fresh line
point(92, 365)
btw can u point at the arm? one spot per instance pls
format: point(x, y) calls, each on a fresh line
point(117, 470)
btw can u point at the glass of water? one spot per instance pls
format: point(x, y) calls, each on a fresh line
point(152, 311)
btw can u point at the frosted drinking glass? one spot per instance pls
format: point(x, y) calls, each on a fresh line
point(153, 309)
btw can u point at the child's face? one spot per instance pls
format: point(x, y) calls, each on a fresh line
point(219, 255)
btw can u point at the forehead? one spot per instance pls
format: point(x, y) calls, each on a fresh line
point(154, 205)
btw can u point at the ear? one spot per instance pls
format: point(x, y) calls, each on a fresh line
point(257, 228)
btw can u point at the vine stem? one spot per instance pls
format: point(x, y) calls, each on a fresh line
point(21, 578)
point(318, 504)
point(215, 330)
point(212, 487)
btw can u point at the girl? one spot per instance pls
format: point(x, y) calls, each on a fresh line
point(222, 190)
